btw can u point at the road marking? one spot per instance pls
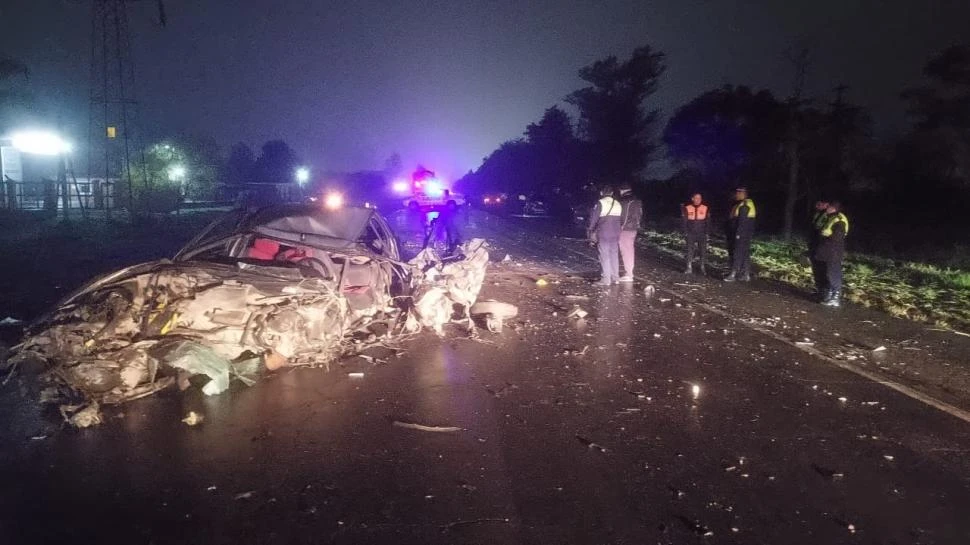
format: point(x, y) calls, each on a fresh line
point(852, 368)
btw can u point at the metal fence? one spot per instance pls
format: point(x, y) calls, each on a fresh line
point(94, 194)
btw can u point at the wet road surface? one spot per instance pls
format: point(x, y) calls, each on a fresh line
point(651, 421)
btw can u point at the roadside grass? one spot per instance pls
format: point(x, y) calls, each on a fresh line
point(906, 289)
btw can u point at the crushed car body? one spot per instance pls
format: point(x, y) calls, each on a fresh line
point(280, 286)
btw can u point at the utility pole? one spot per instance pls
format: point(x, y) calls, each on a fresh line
point(799, 59)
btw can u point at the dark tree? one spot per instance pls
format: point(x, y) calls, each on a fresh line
point(937, 152)
point(613, 116)
point(728, 136)
point(555, 150)
point(507, 169)
point(241, 165)
point(276, 163)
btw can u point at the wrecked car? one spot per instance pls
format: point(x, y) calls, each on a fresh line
point(282, 285)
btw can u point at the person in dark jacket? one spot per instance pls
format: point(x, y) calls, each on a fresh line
point(449, 222)
point(696, 218)
point(740, 233)
point(818, 267)
point(630, 218)
point(604, 231)
point(831, 251)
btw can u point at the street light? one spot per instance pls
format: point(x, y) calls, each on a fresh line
point(40, 143)
point(176, 173)
point(302, 175)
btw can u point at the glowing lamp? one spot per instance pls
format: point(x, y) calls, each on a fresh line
point(333, 201)
point(40, 143)
point(176, 173)
point(302, 175)
point(433, 188)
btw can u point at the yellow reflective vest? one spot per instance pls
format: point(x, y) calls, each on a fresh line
point(737, 208)
point(829, 224)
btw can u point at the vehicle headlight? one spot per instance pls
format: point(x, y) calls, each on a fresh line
point(333, 200)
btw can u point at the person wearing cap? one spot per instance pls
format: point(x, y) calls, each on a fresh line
point(604, 231)
point(831, 251)
point(740, 232)
point(814, 236)
point(696, 218)
point(630, 218)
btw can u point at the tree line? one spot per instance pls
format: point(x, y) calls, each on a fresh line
point(788, 151)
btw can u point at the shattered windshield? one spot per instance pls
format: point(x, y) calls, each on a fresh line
point(310, 224)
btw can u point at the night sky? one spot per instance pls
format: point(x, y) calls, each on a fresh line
point(444, 83)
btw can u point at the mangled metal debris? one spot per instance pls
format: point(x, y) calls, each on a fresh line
point(495, 313)
point(286, 286)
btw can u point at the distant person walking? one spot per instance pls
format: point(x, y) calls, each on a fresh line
point(630, 218)
point(831, 251)
point(696, 218)
point(604, 231)
point(740, 233)
point(814, 236)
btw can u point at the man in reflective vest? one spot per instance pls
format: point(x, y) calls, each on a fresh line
point(630, 220)
point(814, 236)
point(696, 218)
point(604, 231)
point(740, 233)
point(831, 251)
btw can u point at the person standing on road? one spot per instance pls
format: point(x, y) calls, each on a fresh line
point(696, 218)
point(604, 231)
point(630, 218)
point(831, 251)
point(814, 236)
point(449, 221)
point(740, 233)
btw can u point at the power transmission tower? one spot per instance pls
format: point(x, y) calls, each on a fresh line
point(111, 113)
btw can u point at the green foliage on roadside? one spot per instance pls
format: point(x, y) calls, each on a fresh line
point(917, 291)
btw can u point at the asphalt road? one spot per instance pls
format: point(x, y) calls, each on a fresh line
point(654, 420)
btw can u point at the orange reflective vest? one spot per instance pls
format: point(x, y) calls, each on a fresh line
point(695, 213)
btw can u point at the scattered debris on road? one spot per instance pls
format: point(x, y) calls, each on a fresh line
point(193, 418)
point(422, 427)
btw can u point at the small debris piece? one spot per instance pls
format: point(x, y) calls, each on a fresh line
point(82, 417)
point(273, 360)
point(244, 495)
point(695, 390)
point(193, 418)
point(879, 349)
point(590, 445)
point(9, 320)
point(578, 313)
point(889, 457)
point(507, 259)
point(649, 291)
point(421, 427)
point(542, 282)
point(843, 399)
point(355, 375)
